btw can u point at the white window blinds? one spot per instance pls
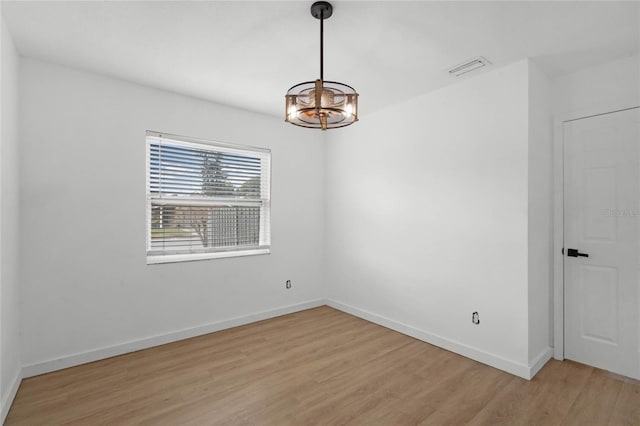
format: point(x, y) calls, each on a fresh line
point(205, 199)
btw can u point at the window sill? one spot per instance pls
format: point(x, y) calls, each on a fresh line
point(172, 258)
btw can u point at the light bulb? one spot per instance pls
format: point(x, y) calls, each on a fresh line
point(349, 109)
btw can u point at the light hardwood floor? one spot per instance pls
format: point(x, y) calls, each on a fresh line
point(319, 366)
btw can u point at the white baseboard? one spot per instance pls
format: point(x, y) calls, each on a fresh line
point(136, 345)
point(513, 367)
point(518, 369)
point(10, 396)
point(540, 361)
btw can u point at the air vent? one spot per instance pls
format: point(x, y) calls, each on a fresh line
point(468, 66)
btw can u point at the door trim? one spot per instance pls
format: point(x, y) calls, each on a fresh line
point(558, 221)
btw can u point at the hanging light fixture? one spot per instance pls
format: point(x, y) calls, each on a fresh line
point(321, 104)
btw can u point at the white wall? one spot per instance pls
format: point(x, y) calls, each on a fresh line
point(10, 360)
point(595, 90)
point(85, 281)
point(540, 215)
point(428, 217)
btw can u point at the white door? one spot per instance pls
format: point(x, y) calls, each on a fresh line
point(601, 220)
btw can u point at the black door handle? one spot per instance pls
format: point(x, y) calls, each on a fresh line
point(576, 253)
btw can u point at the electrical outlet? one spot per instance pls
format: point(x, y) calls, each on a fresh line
point(288, 284)
point(475, 318)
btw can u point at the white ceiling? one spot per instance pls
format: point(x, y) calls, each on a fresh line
point(247, 54)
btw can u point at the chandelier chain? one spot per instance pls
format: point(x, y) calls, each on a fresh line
point(322, 46)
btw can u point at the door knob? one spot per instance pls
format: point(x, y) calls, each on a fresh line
point(575, 253)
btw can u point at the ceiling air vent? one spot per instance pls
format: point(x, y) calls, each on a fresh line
point(468, 66)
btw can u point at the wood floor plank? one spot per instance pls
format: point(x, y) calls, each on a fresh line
point(596, 401)
point(479, 387)
point(317, 367)
point(627, 408)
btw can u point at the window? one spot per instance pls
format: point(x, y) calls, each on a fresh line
point(205, 199)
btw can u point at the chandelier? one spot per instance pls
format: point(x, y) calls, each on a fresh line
point(321, 104)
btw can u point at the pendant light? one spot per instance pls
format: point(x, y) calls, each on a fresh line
point(321, 104)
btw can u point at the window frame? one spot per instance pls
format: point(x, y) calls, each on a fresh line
point(264, 244)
